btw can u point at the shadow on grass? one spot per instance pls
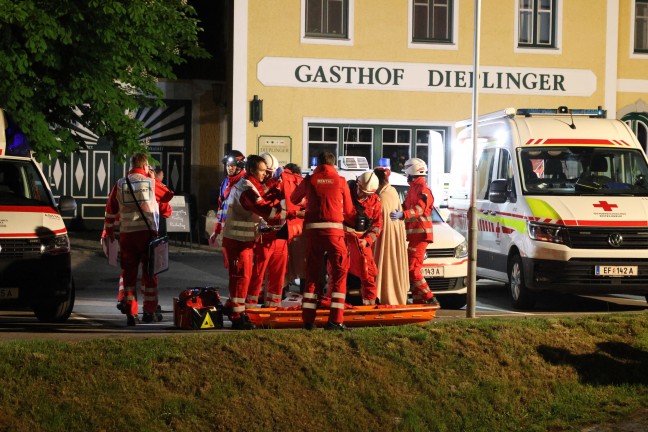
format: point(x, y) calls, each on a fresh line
point(613, 363)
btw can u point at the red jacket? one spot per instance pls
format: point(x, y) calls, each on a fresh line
point(417, 211)
point(372, 208)
point(328, 200)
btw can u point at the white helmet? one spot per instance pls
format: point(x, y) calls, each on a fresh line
point(415, 167)
point(271, 162)
point(367, 182)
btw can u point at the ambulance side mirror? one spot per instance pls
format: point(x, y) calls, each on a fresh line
point(498, 191)
point(67, 204)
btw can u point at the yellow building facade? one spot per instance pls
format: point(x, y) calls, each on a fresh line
point(389, 78)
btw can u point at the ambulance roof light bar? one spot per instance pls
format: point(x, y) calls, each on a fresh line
point(596, 113)
point(529, 112)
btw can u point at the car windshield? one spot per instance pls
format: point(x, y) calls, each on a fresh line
point(576, 170)
point(21, 184)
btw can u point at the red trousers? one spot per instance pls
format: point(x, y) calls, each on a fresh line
point(238, 257)
point(419, 287)
point(363, 265)
point(134, 252)
point(335, 248)
point(270, 254)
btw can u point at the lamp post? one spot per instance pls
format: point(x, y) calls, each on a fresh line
point(472, 209)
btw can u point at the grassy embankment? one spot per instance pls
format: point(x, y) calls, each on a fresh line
point(481, 375)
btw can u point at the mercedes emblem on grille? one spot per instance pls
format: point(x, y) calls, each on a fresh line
point(615, 239)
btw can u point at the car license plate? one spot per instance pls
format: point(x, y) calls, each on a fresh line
point(616, 271)
point(8, 293)
point(432, 271)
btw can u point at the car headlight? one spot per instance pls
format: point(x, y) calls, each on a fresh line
point(55, 245)
point(547, 233)
point(461, 251)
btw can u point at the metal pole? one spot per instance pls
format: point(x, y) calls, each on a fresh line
point(472, 210)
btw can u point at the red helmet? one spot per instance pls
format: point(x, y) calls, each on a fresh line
point(235, 158)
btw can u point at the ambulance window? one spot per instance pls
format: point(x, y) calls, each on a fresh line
point(485, 172)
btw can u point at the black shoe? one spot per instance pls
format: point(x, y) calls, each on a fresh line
point(152, 317)
point(433, 301)
point(336, 326)
point(120, 306)
point(131, 320)
point(243, 323)
point(310, 326)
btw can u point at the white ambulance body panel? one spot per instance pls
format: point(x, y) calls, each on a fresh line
point(562, 201)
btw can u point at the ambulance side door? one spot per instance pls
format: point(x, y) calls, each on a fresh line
point(500, 213)
point(485, 227)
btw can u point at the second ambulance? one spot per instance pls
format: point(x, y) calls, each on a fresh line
point(562, 202)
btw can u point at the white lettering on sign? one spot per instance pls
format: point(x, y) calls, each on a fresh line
point(353, 75)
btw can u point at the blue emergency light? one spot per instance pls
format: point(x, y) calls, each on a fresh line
point(384, 163)
point(314, 161)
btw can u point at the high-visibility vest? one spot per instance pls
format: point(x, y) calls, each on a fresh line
point(417, 211)
point(144, 192)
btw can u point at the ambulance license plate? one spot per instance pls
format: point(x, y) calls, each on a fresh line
point(616, 271)
point(432, 271)
point(8, 293)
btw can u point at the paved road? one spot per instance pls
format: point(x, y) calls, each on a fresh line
point(95, 313)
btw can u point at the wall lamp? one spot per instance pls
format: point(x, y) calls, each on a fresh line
point(256, 110)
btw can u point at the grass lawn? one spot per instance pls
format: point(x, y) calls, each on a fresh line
point(471, 375)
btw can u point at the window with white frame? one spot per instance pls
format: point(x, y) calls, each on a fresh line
point(432, 21)
point(321, 139)
point(358, 141)
point(537, 23)
point(327, 19)
point(396, 145)
point(641, 26)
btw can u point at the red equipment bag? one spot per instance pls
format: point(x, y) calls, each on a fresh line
point(198, 309)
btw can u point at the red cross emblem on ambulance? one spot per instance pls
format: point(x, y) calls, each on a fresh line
point(606, 206)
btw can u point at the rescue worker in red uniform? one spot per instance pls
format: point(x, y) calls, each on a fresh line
point(245, 211)
point(235, 167)
point(363, 234)
point(271, 251)
point(328, 205)
point(135, 233)
point(417, 213)
point(162, 195)
point(291, 178)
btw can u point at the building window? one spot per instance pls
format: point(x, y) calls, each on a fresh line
point(537, 23)
point(641, 26)
point(358, 142)
point(321, 139)
point(327, 18)
point(396, 145)
point(432, 21)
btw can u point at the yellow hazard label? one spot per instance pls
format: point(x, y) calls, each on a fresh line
point(207, 322)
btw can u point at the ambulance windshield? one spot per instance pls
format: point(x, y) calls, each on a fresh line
point(577, 170)
point(21, 184)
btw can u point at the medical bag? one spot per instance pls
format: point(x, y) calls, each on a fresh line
point(198, 309)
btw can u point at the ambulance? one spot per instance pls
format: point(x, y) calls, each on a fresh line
point(561, 201)
point(35, 262)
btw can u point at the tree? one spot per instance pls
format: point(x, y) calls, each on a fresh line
point(89, 63)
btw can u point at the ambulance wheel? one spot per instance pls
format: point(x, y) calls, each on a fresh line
point(521, 296)
point(51, 309)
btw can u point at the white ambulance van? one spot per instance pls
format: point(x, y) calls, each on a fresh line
point(446, 264)
point(562, 202)
point(35, 264)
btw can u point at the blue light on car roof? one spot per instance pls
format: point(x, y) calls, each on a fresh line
point(17, 142)
point(384, 162)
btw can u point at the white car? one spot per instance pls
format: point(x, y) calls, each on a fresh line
point(446, 260)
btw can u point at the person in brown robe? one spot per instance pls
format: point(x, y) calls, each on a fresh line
point(390, 250)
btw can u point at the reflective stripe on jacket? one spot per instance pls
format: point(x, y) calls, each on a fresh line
point(122, 202)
